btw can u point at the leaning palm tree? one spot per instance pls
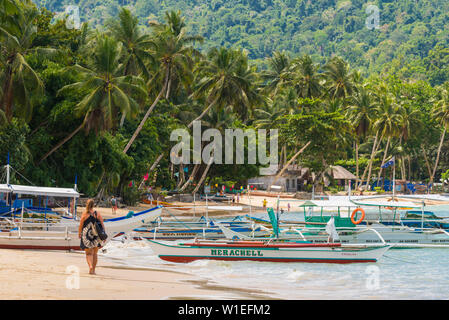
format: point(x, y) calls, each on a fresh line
point(226, 79)
point(136, 55)
point(173, 55)
point(105, 90)
point(440, 112)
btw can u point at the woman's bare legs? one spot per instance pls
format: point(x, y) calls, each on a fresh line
point(90, 260)
point(95, 258)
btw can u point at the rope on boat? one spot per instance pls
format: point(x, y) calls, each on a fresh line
point(177, 219)
point(399, 259)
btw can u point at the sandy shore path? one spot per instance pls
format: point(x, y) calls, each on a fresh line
point(26, 274)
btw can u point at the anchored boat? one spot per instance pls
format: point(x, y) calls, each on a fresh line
point(266, 251)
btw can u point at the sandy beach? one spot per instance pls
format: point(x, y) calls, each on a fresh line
point(27, 274)
point(53, 275)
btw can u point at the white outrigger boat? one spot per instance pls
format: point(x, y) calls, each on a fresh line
point(205, 229)
point(51, 230)
point(375, 228)
point(26, 234)
point(266, 251)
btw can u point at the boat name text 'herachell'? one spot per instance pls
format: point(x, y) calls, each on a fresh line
point(241, 253)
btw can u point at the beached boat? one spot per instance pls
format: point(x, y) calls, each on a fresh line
point(26, 226)
point(266, 251)
point(23, 233)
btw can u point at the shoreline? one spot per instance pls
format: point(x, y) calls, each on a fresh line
point(52, 275)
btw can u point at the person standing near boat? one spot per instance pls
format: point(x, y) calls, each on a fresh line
point(90, 241)
point(114, 205)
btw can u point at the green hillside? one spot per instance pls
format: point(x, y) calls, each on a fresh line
point(409, 41)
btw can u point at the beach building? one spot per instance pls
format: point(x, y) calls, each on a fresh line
point(300, 179)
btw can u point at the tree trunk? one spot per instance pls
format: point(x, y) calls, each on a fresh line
point(203, 113)
point(429, 170)
point(409, 168)
point(368, 178)
point(155, 163)
point(62, 142)
point(6, 102)
point(191, 178)
point(142, 123)
point(288, 163)
point(181, 175)
point(203, 176)
point(402, 168)
point(368, 167)
point(383, 161)
point(122, 119)
point(438, 156)
point(357, 160)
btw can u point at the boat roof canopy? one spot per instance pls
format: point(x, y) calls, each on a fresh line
point(359, 203)
point(40, 191)
point(329, 203)
point(4, 188)
point(392, 204)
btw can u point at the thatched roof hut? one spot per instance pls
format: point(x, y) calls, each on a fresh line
point(340, 173)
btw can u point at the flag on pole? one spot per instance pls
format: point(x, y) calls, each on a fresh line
point(389, 163)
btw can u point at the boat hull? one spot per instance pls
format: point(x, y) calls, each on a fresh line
point(39, 240)
point(310, 253)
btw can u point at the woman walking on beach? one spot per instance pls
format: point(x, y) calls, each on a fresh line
point(90, 241)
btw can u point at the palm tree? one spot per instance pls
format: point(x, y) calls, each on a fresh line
point(361, 112)
point(410, 122)
point(136, 45)
point(278, 74)
point(219, 119)
point(135, 54)
point(306, 79)
point(339, 79)
point(105, 90)
point(440, 112)
point(388, 121)
point(226, 79)
point(18, 81)
point(174, 54)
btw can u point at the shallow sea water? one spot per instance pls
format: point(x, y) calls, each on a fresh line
point(400, 273)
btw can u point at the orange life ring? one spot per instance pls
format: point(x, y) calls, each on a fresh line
point(353, 214)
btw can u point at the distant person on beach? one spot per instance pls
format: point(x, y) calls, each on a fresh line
point(238, 197)
point(90, 241)
point(264, 203)
point(114, 205)
point(288, 206)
